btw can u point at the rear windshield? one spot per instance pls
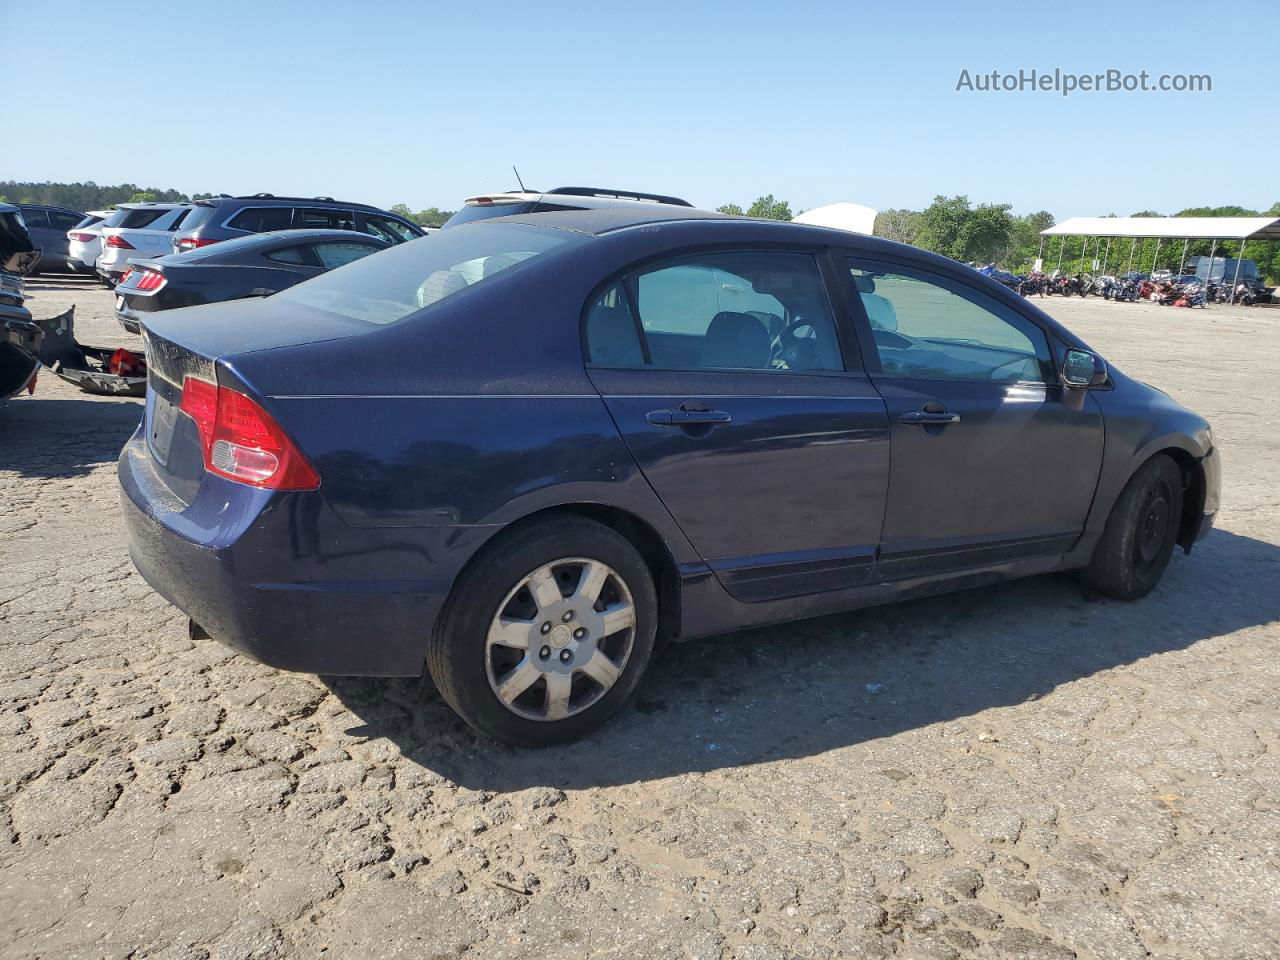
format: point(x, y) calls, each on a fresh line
point(88, 221)
point(196, 217)
point(469, 212)
point(423, 272)
point(135, 218)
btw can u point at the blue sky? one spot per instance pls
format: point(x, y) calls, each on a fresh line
point(426, 103)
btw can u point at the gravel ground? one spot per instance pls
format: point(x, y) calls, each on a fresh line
point(1009, 772)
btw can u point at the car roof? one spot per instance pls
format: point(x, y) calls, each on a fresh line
point(48, 206)
point(144, 204)
point(578, 197)
point(596, 221)
point(315, 233)
point(270, 200)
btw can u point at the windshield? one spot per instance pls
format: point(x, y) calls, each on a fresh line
point(421, 273)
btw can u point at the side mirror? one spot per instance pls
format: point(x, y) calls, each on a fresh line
point(1082, 369)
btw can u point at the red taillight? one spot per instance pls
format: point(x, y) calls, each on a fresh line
point(241, 442)
point(115, 240)
point(190, 243)
point(124, 281)
point(82, 237)
point(149, 282)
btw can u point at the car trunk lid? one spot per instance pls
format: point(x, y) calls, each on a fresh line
point(207, 343)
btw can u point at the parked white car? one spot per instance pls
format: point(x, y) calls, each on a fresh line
point(84, 242)
point(137, 231)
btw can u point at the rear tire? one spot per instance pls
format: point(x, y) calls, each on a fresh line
point(1141, 533)
point(548, 634)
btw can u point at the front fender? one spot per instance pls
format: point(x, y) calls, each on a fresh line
point(1142, 421)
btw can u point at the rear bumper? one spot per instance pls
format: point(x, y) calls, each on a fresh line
point(129, 319)
point(274, 576)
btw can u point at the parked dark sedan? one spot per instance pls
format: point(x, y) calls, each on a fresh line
point(524, 450)
point(253, 266)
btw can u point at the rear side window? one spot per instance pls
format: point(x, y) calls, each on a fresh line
point(422, 273)
point(613, 339)
point(326, 219)
point(339, 254)
point(724, 311)
point(181, 219)
point(169, 219)
point(62, 221)
point(293, 255)
point(262, 219)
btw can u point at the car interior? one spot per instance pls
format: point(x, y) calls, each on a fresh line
point(735, 311)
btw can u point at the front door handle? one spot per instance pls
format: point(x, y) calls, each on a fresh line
point(929, 418)
point(680, 417)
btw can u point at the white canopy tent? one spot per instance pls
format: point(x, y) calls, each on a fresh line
point(842, 216)
point(1161, 229)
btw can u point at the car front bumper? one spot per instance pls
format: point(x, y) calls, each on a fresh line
point(263, 573)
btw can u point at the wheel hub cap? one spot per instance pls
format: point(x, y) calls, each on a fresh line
point(1151, 535)
point(561, 639)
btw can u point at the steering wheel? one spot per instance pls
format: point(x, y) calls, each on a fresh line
point(794, 351)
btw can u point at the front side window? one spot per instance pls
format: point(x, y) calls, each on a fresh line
point(728, 311)
point(338, 254)
point(262, 219)
point(412, 276)
point(35, 218)
point(930, 328)
point(392, 231)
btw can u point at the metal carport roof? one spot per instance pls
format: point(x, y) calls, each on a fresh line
point(1169, 228)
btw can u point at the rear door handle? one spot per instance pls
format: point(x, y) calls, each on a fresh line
point(686, 418)
point(928, 418)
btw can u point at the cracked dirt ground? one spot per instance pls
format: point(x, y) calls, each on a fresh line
point(1010, 772)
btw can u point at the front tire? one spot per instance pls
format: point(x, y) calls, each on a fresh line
point(548, 634)
point(1140, 534)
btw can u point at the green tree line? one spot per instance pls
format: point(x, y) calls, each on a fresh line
point(430, 217)
point(92, 196)
point(993, 233)
point(952, 226)
point(87, 195)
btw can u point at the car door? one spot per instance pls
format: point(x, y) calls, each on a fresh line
point(749, 414)
point(993, 460)
point(37, 221)
point(59, 223)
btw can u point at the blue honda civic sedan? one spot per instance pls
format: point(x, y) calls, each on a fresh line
point(521, 452)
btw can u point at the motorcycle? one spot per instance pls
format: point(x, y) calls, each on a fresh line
point(1034, 283)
